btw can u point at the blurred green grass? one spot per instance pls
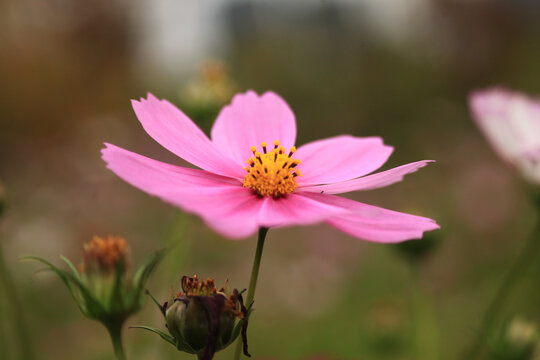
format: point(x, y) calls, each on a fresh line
point(322, 294)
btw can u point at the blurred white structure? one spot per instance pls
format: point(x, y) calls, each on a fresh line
point(174, 36)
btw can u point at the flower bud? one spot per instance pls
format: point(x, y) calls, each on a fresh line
point(101, 285)
point(173, 318)
point(205, 94)
point(195, 321)
point(103, 270)
point(516, 342)
point(202, 319)
point(105, 256)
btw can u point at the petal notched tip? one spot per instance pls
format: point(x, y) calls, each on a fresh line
point(105, 151)
point(241, 96)
point(136, 103)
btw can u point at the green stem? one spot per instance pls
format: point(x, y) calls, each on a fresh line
point(253, 281)
point(115, 331)
point(19, 325)
point(521, 264)
point(425, 329)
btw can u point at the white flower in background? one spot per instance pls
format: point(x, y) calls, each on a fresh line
point(511, 122)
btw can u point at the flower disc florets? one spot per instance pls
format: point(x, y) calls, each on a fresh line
point(106, 255)
point(272, 173)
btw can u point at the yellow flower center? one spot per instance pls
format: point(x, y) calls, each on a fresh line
point(273, 172)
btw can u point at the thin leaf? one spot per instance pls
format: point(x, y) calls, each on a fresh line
point(156, 302)
point(116, 300)
point(64, 276)
point(91, 306)
point(164, 336)
point(182, 345)
point(145, 270)
point(236, 331)
point(71, 266)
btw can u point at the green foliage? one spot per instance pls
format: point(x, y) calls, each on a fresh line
point(124, 299)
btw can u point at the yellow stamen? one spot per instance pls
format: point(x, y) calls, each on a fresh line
point(293, 150)
point(272, 173)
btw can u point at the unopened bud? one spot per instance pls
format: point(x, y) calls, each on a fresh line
point(106, 255)
point(522, 333)
point(202, 319)
point(173, 318)
point(517, 341)
point(100, 285)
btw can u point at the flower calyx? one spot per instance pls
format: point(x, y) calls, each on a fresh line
point(202, 319)
point(101, 286)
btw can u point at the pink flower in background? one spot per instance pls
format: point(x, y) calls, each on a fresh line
point(511, 123)
point(251, 174)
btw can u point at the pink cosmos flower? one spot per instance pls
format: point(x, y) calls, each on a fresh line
point(251, 175)
point(511, 122)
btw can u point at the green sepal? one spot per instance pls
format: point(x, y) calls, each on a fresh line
point(87, 303)
point(62, 275)
point(72, 267)
point(238, 327)
point(182, 345)
point(178, 343)
point(164, 336)
point(145, 270)
point(117, 299)
point(236, 331)
point(157, 303)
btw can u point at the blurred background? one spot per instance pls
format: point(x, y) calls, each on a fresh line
point(399, 69)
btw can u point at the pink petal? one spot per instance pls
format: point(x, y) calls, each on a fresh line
point(221, 201)
point(511, 123)
point(295, 210)
point(369, 182)
point(374, 223)
point(176, 132)
point(250, 120)
point(233, 214)
point(340, 158)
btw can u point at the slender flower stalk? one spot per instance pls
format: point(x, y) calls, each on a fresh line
point(115, 332)
point(7, 287)
point(9, 290)
point(510, 121)
point(426, 334)
point(524, 260)
point(253, 280)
